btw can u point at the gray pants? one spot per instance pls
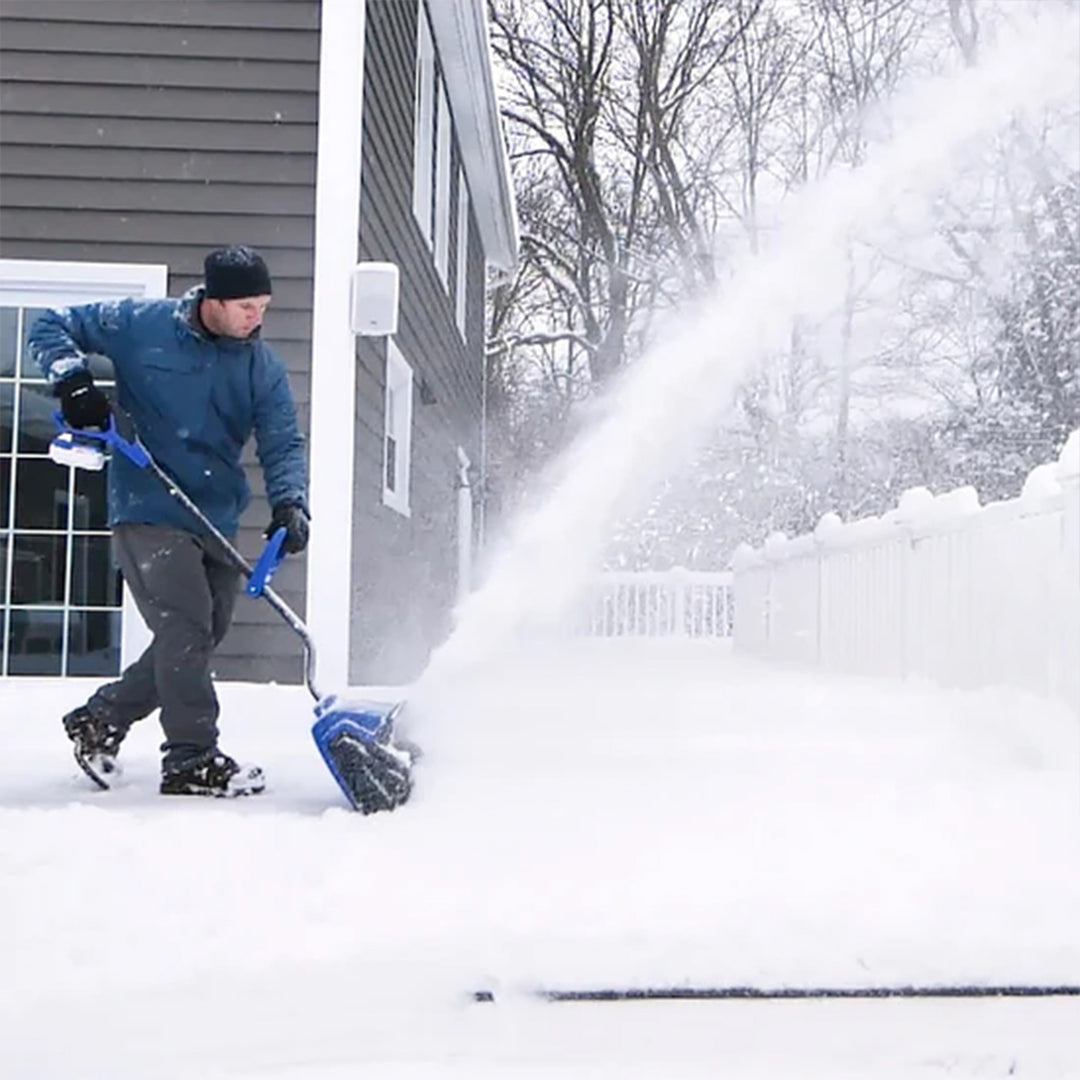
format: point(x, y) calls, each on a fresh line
point(185, 589)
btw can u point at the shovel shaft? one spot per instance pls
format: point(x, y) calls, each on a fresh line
point(136, 452)
point(246, 568)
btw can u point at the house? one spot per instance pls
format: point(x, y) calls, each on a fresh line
point(136, 135)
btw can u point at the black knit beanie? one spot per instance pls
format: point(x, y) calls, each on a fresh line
point(235, 272)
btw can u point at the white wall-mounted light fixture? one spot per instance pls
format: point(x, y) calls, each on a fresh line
point(373, 310)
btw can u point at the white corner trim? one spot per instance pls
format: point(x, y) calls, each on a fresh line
point(333, 347)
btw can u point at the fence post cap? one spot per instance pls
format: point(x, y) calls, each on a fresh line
point(775, 545)
point(913, 503)
point(1068, 462)
point(1041, 483)
point(828, 527)
point(959, 502)
point(743, 557)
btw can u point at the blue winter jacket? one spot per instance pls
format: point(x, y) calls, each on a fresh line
point(195, 401)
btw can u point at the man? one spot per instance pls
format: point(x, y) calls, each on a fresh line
point(197, 381)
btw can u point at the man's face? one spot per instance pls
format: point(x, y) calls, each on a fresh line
point(234, 318)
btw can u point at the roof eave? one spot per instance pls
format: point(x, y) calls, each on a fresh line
point(461, 36)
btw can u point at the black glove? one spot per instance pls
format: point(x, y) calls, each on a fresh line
point(291, 517)
point(82, 404)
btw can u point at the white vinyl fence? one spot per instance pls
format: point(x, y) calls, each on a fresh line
point(964, 594)
point(664, 604)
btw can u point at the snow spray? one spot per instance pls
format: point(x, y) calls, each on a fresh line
point(678, 387)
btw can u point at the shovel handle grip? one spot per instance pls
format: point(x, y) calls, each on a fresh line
point(268, 562)
point(112, 438)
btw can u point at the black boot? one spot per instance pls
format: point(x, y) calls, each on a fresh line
point(97, 742)
point(215, 774)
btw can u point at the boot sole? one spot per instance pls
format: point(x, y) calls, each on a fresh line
point(84, 763)
point(213, 793)
point(253, 784)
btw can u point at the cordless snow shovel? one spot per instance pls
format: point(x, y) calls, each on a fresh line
point(355, 739)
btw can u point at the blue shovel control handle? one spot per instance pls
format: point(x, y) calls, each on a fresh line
point(112, 438)
point(269, 561)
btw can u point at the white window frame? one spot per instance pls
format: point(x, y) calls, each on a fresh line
point(444, 140)
point(423, 124)
point(461, 277)
point(397, 426)
point(45, 283)
point(50, 283)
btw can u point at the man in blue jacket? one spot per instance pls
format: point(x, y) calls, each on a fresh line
point(197, 381)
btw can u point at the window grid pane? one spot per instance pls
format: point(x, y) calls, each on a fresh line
point(9, 340)
point(93, 641)
point(391, 463)
point(34, 641)
point(27, 366)
point(7, 416)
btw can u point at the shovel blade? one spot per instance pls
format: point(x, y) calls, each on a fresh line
point(356, 741)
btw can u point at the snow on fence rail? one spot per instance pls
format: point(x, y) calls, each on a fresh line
point(964, 594)
point(672, 603)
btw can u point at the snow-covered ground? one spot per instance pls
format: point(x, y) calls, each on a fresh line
point(602, 814)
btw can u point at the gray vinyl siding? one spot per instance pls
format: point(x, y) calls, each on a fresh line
point(149, 132)
point(404, 569)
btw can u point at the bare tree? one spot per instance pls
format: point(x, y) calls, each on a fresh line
point(767, 57)
point(859, 53)
point(649, 137)
point(964, 23)
point(603, 93)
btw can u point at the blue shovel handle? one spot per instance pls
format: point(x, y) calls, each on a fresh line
point(112, 438)
point(269, 561)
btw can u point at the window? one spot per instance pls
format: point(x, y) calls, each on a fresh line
point(61, 610)
point(433, 139)
point(398, 427)
point(60, 595)
point(424, 126)
point(442, 186)
point(461, 273)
